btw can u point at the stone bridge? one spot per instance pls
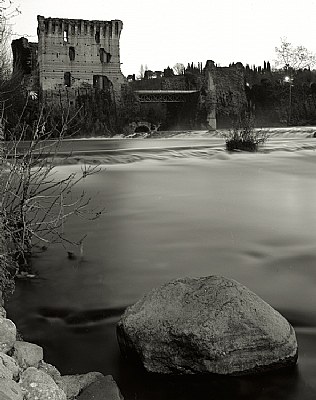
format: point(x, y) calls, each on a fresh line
point(181, 96)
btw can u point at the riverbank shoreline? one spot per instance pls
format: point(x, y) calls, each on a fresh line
point(24, 375)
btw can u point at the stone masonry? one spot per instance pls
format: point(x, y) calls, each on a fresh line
point(76, 53)
point(73, 55)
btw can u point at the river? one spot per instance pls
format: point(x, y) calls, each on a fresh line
point(174, 213)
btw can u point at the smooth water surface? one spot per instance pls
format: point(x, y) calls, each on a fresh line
point(250, 217)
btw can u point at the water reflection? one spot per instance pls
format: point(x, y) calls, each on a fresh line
point(248, 217)
point(277, 385)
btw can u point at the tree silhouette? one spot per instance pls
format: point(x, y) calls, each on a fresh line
point(293, 57)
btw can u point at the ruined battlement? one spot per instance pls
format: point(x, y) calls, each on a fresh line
point(68, 29)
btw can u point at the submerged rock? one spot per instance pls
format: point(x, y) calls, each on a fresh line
point(72, 385)
point(104, 388)
point(206, 325)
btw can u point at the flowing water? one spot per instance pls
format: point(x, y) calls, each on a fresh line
point(175, 213)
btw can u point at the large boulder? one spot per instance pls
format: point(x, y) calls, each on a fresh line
point(206, 325)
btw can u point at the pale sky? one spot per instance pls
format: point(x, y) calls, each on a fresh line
point(162, 33)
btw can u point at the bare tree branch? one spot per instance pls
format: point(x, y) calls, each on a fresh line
point(36, 202)
point(294, 58)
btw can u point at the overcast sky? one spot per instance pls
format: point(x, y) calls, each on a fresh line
point(163, 32)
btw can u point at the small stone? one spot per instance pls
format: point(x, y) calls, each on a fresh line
point(33, 375)
point(38, 384)
point(10, 390)
point(5, 372)
point(72, 385)
point(3, 313)
point(7, 335)
point(104, 388)
point(43, 392)
point(8, 367)
point(50, 370)
point(27, 354)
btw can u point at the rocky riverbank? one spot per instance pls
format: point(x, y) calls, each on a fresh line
point(24, 375)
point(187, 326)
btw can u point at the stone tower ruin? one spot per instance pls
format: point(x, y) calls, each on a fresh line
point(76, 53)
point(73, 55)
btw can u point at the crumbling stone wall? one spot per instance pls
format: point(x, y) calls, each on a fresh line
point(230, 89)
point(77, 53)
point(223, 94)
point(75, 66)
point(25, 63)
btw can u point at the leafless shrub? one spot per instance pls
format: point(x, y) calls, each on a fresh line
point(35, 202)
point(243, 135)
